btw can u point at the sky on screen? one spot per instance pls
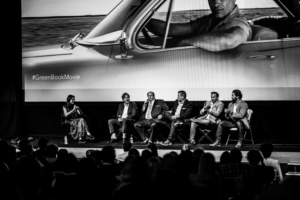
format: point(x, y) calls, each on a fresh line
point(49, 8)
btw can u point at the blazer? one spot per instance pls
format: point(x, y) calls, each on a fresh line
point(132, 110)
point(215, 111)
point(241, 112)
point(159, 108)
point(185, 111)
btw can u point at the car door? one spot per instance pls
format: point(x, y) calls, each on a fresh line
point(291, 52)
point(255, 67)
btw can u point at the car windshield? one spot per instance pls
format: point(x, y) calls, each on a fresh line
point(117, 18)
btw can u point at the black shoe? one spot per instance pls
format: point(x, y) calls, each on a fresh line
point(192, 141)
point(112, 141)
point(81, 141)
point(90, 137)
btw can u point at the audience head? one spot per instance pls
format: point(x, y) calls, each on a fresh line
point(236, 155)
point(62, 153)
point(51, 151)
point(43, 142)
point(153, 149)
point(254, 157)
point(134, 152)
point(266, 149)
point(207, 167)
point(198, 152)
point(108, 154)
point(25, 147)
point(146, 154)
point(127, 146)
point(225, 158)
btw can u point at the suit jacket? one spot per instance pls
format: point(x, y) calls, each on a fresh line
point(132, 110)
point(215, 111)
point(241, 112)
point(159, 108)
point(185, 111)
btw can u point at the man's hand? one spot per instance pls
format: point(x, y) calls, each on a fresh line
point(120, 119)
point(159, 117)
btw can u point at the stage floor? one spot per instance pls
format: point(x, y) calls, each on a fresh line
point(285, 153)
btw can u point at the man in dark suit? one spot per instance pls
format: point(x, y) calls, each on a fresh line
point(236, 115)
point(152, 112)
point(127, 112)
point(181, 110)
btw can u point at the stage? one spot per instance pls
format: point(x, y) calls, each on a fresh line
point(285, 153)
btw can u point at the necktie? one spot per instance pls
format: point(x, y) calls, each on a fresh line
point(148, 115)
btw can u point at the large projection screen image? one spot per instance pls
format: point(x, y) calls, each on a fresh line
point(99, 49)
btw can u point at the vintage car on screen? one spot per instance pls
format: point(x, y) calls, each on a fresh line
point(121, 54)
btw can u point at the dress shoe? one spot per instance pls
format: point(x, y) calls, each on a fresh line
point(178, 123)
point(113, 136)
point(167, 142)
point(216, 144)
point(90, 137)
point(192, 141)
point(239, 144)
point(145, 141)
point(81, 141)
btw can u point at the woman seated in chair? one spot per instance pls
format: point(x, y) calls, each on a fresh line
point(73, 116)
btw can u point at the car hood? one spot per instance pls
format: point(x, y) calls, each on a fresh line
point(46, 52)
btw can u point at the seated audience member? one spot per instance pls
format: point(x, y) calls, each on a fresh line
point(266, 150)
point(153, 112)
point(126, 147)
point(225, 28)
point(51, 157)
point(73, 116)
point(262, 175)
point(206, 181)
point(25, 148)
point(235, 167)
point(40, 153)
point(181, 110)
point(224, 158)
point(197, 153)
point(236, 115)
point(209, 114)
point(126, 114)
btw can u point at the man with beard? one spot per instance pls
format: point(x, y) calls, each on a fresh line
point(209, 115)
point(236, 115)
point(223, 29)
point(126, 115)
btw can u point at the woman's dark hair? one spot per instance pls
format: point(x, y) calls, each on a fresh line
point(70, 97)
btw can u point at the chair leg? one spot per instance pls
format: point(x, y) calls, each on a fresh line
point(227, 139)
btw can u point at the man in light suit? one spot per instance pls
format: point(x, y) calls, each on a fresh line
point(181, 110)
point(236, 115)
point(153, 112)
point(209, 114)
point(127, 112)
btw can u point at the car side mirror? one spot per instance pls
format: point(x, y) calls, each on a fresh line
point(124, 48)
point(72, 43)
